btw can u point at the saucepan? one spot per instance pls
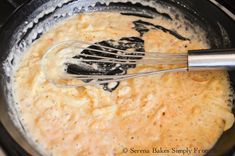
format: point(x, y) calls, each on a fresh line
point(35, 17)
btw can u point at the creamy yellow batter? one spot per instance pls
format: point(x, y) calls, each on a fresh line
point(168, 111)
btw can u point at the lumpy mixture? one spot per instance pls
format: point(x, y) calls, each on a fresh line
point(165, 112)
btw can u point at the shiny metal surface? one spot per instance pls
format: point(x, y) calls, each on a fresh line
point(207, 59)
point(229, 13)
point(211, 59)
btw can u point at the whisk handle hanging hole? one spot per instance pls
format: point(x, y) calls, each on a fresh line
point(211, 59)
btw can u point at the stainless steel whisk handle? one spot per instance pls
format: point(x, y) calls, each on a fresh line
point(213, 59)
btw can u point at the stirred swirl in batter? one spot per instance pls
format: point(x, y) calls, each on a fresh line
point(173, 110)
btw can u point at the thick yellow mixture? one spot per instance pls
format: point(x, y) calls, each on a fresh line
point(168, 111)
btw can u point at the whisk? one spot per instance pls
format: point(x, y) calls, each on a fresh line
point(99, 63)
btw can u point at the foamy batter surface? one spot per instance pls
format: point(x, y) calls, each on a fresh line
point(173, 110)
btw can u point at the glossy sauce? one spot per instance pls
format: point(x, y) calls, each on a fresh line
point(173, 110)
